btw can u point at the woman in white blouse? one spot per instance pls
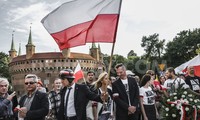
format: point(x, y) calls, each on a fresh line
point(147, 99)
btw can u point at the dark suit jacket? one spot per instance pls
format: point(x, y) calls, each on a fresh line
point(39, 107)
point(122, 102)
point(81, 96)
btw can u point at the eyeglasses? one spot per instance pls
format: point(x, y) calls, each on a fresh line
point(30, 83)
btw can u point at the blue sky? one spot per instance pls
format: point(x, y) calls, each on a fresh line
point(138, 18)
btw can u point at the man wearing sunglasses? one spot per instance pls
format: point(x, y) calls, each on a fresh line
point(34, 105)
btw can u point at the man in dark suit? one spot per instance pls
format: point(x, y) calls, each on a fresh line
point(74, 98)
point(126, 95)
point(34, 105)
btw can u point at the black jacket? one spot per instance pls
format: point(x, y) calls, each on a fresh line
point(39, 107)
point(81, 96)
point(122, 102)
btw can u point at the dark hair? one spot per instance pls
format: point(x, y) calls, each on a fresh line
point(90, 72)
point(119, 65)
point(160, 78)
point(150, 72)
point(146, 78)
point(171, 70)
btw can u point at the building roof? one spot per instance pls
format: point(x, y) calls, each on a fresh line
point(54, 55)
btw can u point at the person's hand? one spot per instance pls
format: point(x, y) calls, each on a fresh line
point(132, 109)
point(22, 112)
point(157, 115)
point(10, 97)
point(129, 113)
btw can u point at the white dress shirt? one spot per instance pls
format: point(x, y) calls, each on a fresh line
point(70, 105)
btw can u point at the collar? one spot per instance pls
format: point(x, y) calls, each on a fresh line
point(32, 94)
point(72, 86)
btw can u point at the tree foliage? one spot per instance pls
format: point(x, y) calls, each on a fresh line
point(4, 70)
point(153, 46)
point(115, 60)
point(131, 53)
point(182, 48)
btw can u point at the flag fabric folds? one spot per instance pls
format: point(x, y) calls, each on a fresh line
point(79, 22)
point(193, 62)
point(78, 73)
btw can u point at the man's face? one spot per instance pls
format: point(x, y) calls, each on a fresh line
point(57, 84)
point(191, 70)
point(3, 87)
point(90, 77)
point(168, 75)
point(65, 82)
point(121, 72)
point(30, 84)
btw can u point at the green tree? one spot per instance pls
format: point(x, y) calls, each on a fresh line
point(131, 53)
point(153, 46)
point(182, 48)
point(115, 60)
point(4, 70)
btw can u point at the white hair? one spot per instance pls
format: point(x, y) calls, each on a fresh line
point(4, 80)
point(33, 76)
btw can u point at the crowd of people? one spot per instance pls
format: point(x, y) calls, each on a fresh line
point(124, 97)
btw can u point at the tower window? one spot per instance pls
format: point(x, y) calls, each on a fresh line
point(48, 74)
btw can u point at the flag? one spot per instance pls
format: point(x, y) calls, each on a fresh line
point(193, 62)
point(79, 22)
point(78, 73)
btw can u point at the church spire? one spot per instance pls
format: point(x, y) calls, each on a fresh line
point(19, 53)
point(94, 45)
point(12, 44)
point(99, 47)
point(12, 52)
point(30, 48)
point(30, 37)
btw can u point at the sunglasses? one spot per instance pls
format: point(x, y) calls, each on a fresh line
point(30, 83)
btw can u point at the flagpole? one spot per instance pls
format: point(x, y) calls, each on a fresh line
point(113, 45)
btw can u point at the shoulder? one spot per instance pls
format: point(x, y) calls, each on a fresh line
point(131, 79)
point(40, 94)
point(197, 77)
point(115, 82)
point(81, 86)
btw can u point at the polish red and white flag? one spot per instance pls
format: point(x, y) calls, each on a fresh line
point(79, 22)
point(78, 73)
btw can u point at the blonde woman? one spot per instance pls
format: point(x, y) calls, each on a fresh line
point(103, 110)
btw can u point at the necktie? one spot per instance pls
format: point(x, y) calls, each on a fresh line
point(69, 89)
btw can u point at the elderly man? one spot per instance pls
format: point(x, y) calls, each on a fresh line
point(192, 80)
point(34, 105)
point(6, 112)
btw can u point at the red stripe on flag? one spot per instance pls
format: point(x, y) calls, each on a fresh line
point(101, 29)
point(197, 70)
